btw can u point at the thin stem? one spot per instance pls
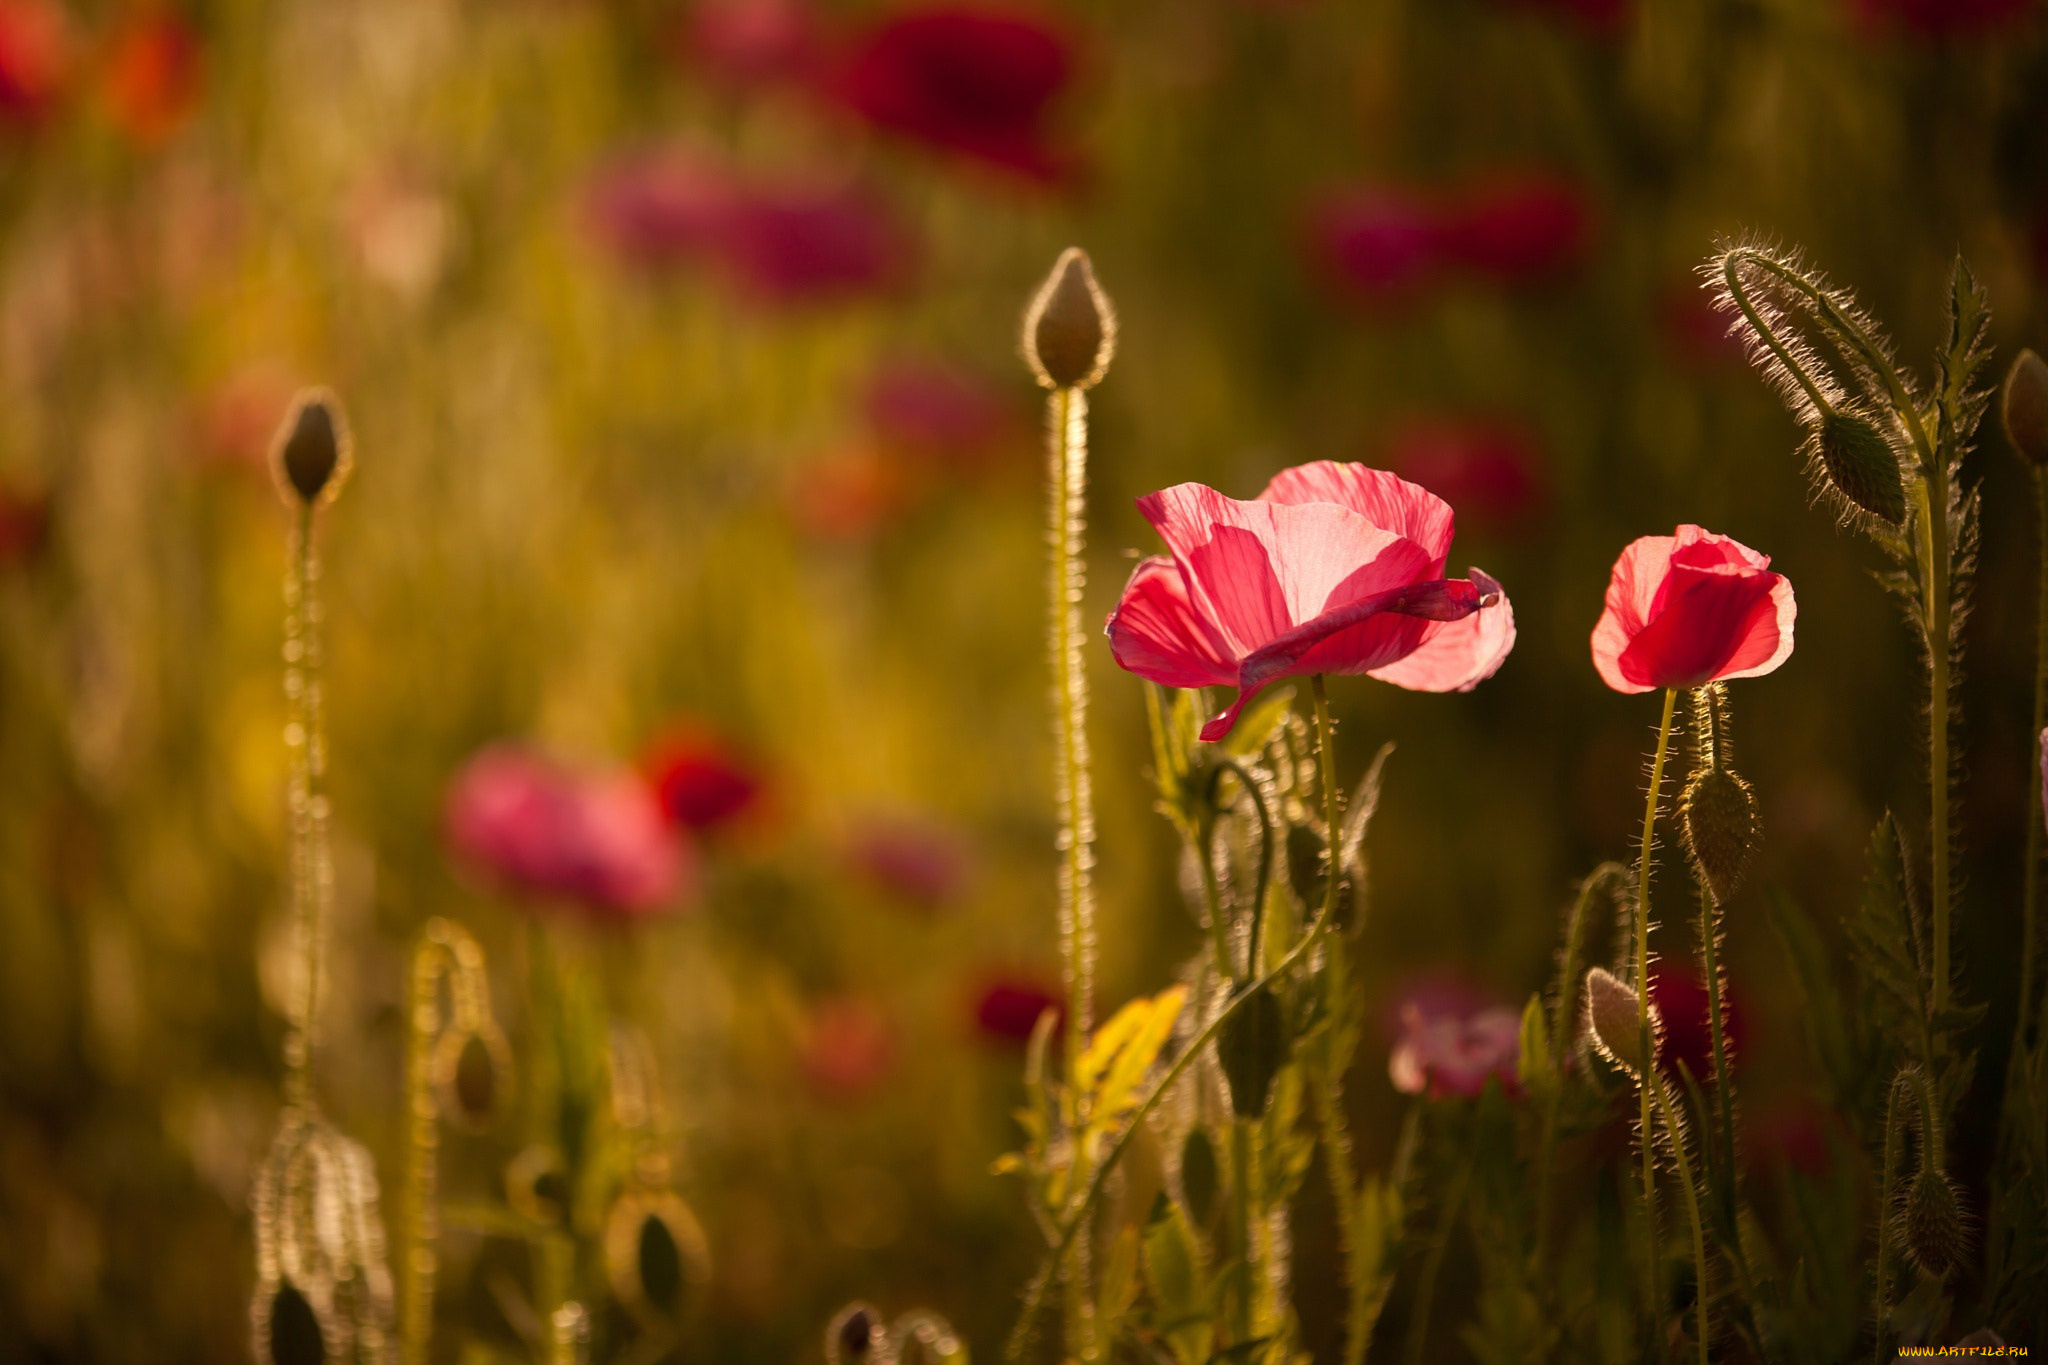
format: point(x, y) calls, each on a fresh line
point(1648, 1048)
point(306, 741)
point(1652, 1081)
point(1067, 521)
point(1333, 799)
point(1724, 1098)
point(1733, 280)
point(1931, 498)
point(2031, 897)
point(1881, 1309)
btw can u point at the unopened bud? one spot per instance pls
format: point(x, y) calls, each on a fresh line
point(1614, 1018)
point(1861, 464)
point(295, 1333)
point(311, 450)
point(1070, 328)
point(1251, 1047)
point(1199, 1175)
point(1932, 1223)
point(1718, 815)
point(2024, 405)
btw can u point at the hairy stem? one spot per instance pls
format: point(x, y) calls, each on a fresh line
point(1724, 1095)
point(1882, 1308)
point(2031, 897)
point(1653, 1082)
point(1931, 499)
point(312, 871)
point(1648, 1048)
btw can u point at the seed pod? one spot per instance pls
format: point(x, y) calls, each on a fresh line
point(1861, 464)
point(311, 452)
point(1719, 818)
point(1613, 1018)
point(2024, 406)
point(1198, 1175)
point(1932, 1223)
point(656, 1256)
point(1070, 328)
point(1251, 1047)
point(473, 1076)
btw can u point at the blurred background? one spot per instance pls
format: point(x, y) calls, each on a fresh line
point(695, 465)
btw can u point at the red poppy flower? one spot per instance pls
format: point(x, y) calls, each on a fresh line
point(596, 840)
point(848, 1049)
point(660, 208)
point(1334, 568)
point(1518, 228)
point(1944, 18)
point(1452, 1052)
point(35, 59)
point(1691, 608)
point(152, 77)
point(804, 243)
point(1680, 999)
point(937, 413)
point(977, 82)
point(1379, 244)
point(916, 861)
point(1007, 1008)
point(702, 782)
point(1492, 469)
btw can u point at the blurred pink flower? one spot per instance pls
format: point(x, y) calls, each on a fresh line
point(848, 1048)
point(1489, 469)
point(1445, 1050)
point(702, 781)
point(915, 860)
point(751, 42)
point(1943, 18)
point(595, 839)
point(1691, 608)
point(1379, 243)
point(1007, 1007)
point(976, 81)
point(237, 417)
point(1518, 227)
point(1607, 17)
point(940, 414)
point(152, 78)
point(1334, 568)
point(1680, 999)
point(35, 59)
point(661, 208)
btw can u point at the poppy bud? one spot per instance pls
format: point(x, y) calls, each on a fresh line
point(1718, 815)
point(311, 449)
point(2024, 405)
point(1070, 328)
point(1198, 1175)
point(473, 1075)
point(1932, 1222)
point(656, 1257)
point(1613, 1016)
point(1861, 464)
point(1252, 1047)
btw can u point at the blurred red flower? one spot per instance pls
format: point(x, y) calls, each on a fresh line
point(751, 42)
point(937, 413)
point(979, 82)
point(35, 59)
point(1691, 608)
point(1452, 1051)
point(703, 782)
point(152, 76)
point(1381, 244)
point(1607, 17)
point(1007, 1008)
point(848, 1049)
point(1489, 469)
point(1800, 1137)
point(917, 861)
point(24, 526)
point(237, 418)
point(1680, 999)
point(660, 208)
point(1518, 227)
point(1334, 568)
point(1944, 18)
point(597, 840)
point(1694, 331)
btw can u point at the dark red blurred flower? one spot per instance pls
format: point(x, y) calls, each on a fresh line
point(979, 82)
point(751, 42)
point(1607, 17)
point(35, 59)
point(801, 243)
point(661, 208)
point(1007, 1008)
point(702, 781)
point(1694, 331)
point(152, 77)
point(24, 526)
point(1680, 998)
point(597, 840)
point(938, 413)
point(1800, 1137)
point(1490, 470)
point(1454, 1051)
point(915, 860)
point(848, 1048)
point(1943, 18)
point(1519, 227)
point(1379, 243)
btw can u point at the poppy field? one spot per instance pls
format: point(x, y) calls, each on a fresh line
point(1230, 682)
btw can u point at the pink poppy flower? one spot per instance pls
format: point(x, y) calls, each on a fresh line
point(152, 77)
point(1007, 1008)
point(848, 1049)
point(1334, 568)
point(1450, 1052)
point(702, 782)
point(1380, 244)
point(35, 59)
point(596, 840)
point(1691, 608)
point(1490, 468)
point(978, 82)
point(1518, 228)
point(916, 861)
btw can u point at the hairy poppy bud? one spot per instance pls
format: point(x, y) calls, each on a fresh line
point(1718, 815)
point(1861, 464)
point(1932, 1222)
point(1070, 328)
point(2024, 406)
point(311, 449)
point(1613, 1017)
point(1252, 1047)
point(1198, 1175)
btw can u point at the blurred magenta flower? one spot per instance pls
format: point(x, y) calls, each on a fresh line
point(1491, 469)
point(1944, 18)
point(35, 59)
point(976, 81)
point(152, 79)
point(751, 42)
point(597, 840)
point(938, 413)
point(1607, 17)
point(1334, 568)
point(702, 781)
point(1680, 999)
point(660, 208)
point(915, 860)
point(1518, 227)
point(1451, 1051)
point(1380, 244)
point(848, 1048)
point(1691, 608)
point(1007, 1007)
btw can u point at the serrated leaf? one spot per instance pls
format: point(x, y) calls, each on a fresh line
point(1881, 947)
point(1121, 1052)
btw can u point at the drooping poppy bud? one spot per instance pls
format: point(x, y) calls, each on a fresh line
point(1199, 1180)
point(2024, 405)
point(1861, 464)
point(1932, 1222)
point(1070, 328)
point(1613, 1016)
point(1251, 1047)
point(311, 449)
point(1719, 817)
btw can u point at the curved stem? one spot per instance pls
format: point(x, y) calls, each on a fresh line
point(1652, 1081)
point(1733, 280)
point(1648, 1049)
